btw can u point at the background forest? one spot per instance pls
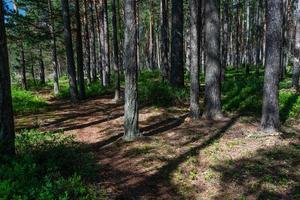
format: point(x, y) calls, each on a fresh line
point(149, 99)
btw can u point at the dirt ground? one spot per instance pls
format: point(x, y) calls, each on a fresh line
point(177, 158)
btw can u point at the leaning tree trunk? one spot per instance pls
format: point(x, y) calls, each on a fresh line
point(7, 132)
point(54, 50)
point(130, 64)
point(116, 51)
point(194, 60)
point(296, 68)
point(270, 112)
point(42, 68)
point(164, 48)
point(79, 50)
point(213, 63)
point(177, 68)
point(69, 51)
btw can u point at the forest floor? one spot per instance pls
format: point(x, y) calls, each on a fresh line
point(177, 158)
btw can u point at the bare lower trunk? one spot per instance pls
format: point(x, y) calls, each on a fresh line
point(7, 132)
point(116, 51)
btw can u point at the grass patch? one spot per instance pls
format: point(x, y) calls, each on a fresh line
point(26, 101)
point(47, 166)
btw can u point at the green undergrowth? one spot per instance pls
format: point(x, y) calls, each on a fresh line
point(27, 101)
point(48, 166)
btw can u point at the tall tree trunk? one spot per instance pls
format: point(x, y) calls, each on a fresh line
point(23, 68)
point(194, 68)
point(42, 67)
point(79, 50)
point(296, 68)
point(87, 43)
point(116, 51)
point(130, 64)
point(270, 112)
point(54, 50)
point(105, 43)
point(177, 68)
point(7, 132)
point(164, 48)
point(69, 51)
point(32, 67)
point(213, 64)
point(93, 40)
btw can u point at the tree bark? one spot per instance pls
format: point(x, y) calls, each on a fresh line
point(79, 50)
point(69, 51)
point(42, 68)
point(164, 48)
point(54, 50)
point(296, 68)
point(194, 61)
point(177, 68)
point(23, 67)
point(7, 132)
point(130, 64)
point(116, 51)
point(270, 112)
point(87, 43)
point(213, 64)
point(93, 41)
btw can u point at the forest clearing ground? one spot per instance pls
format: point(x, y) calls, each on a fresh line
point(177, 158)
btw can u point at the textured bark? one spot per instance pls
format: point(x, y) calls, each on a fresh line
point(69, 51)
point(32, 67)
point(79, 50)
point(54, 50)
point(104, 37)
point(194, 60)
point(23, 68)
point(42, 67)
point(7, 132)
point(296, 68)
point(177, 68)
point(130, 64)
point(213, 64)
point(87, 43)
point(93, 40)
point(116, 51)
point(270, 111)
point(164, 48)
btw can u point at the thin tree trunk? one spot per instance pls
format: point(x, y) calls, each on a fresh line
point(79, 50)
point(23, 68)
point(116, 51)
point(69, 51)
point(270, 112)
point(130, 64)
point(7, 132)
point(54, 50)
point(213, 64)
point(87, 43)
point(296, 68)
point(194, 67)
point(93, 41)
point(42, 67)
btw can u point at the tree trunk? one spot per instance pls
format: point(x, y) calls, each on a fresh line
point(93, 41)
point(79, 50)
point(87, 43)
point(194, 67)
point(213, 64)
point(270, 112)
point(69, 50)
point(130, 64)
point(7, 132)
point(32, 67)
point(42, 68)
point(23, 68)
point(164, 48)
point(296, 68)
point(177, 68)
point(54, 50)
point(116, 51)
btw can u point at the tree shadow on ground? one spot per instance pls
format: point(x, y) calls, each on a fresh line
point(156, 184)
point(269, 174)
